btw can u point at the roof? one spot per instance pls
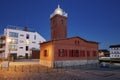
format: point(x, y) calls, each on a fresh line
point(103, 50)
point(58, 11)
point(72, 38)
point(20, 28)
point(114, 46)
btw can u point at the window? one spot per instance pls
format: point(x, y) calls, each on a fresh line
point(13, 48)
point(77, 42)
point(27, 48)
point(117, 55)
point(62, 52)
point(77, 53)
point(45, 53)
point(33, 42)
point(94, 53)
point(88, 53)
point(0, 46)
point(27, 36)
point(33, 48)
point(27, 42)
point(14, 41)
point(13, 34)
point(71, 53)
point(21, 35)
point(112, 55)
point(21, 47)
point(34, 37)
point(21, 41)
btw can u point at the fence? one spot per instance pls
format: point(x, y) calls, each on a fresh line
point(6, 59)
point(34, 71)
point(38, 72)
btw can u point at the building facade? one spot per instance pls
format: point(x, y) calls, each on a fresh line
point(115, 51)
point(63, 51)
point(19, 42)
point(58, 24)
point(68, 52)
point(2, 46)
point(104, 53)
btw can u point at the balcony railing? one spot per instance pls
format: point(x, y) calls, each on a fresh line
point(2, 37)
point(2, 49)
point(2, 42)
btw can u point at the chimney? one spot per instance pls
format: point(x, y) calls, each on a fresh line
point(25, 28)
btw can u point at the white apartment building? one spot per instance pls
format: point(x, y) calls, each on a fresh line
point(18, 42)
point(115, 51)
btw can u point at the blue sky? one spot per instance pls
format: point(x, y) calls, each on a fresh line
point(94, 20)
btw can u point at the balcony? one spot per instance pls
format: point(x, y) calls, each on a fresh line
point(2, 49)
point(2, 37)
point(2, 42)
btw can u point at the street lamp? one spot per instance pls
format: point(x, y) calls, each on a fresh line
point(9, 40)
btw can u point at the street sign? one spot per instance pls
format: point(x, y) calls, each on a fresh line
point(5, 64)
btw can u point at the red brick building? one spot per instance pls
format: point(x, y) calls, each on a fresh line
point(63, 51)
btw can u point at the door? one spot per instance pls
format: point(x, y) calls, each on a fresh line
point(26, 55)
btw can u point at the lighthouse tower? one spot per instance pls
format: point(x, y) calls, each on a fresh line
point(58, 21)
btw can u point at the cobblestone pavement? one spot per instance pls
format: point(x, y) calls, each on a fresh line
point(38, 72)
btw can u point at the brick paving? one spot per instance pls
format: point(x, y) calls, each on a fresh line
point(34, 71)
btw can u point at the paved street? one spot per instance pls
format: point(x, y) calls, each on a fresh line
point(34, 71)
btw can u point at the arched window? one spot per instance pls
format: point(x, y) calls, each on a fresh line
point(45, 53)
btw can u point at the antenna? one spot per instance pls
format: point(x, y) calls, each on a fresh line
point(58, 3)
point(58, 6)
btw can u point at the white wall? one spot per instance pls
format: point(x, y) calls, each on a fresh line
point(114, 52)
point(22, 41)
point(67, 63)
